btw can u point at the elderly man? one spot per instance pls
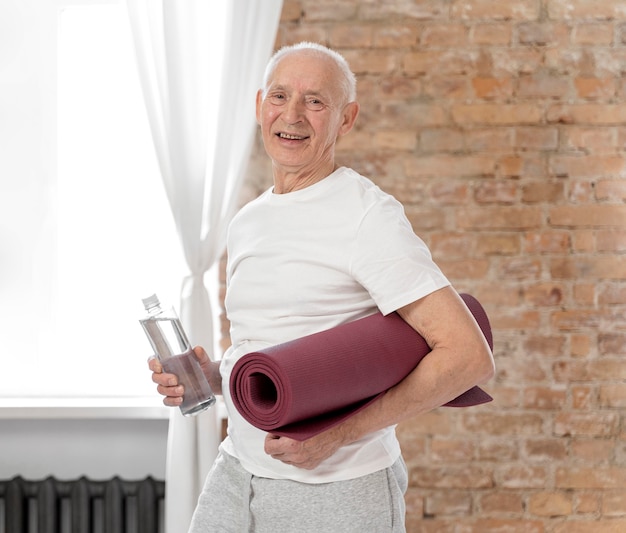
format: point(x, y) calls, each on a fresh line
point(322, 247)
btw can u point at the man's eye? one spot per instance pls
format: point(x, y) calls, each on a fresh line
point(278, 98)
point(314, 103)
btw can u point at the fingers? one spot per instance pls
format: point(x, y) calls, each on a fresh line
point(200, 354)
point(167, 384)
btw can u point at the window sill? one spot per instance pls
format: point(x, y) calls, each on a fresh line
point(83, 408)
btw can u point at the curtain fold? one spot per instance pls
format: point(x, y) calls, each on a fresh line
point(202, 150)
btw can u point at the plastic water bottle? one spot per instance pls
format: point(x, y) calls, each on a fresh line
point(173, 350)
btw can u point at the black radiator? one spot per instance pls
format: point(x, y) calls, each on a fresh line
point(81, 506)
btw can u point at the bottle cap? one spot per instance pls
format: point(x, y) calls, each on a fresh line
point(150, 302)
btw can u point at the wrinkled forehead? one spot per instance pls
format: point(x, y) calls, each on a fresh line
point(307, 71)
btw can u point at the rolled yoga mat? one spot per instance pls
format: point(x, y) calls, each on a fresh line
point(300, 388)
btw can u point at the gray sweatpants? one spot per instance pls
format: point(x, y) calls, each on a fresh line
point(234, 501)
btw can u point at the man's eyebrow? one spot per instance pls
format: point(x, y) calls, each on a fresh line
point(285, 88)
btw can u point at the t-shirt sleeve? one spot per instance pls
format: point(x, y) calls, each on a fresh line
point(393, 264)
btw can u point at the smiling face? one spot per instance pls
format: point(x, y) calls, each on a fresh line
point(302, 112)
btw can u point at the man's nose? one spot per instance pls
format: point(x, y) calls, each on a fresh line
point(293, 110)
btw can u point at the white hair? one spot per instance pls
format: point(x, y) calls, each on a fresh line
point(347, 81)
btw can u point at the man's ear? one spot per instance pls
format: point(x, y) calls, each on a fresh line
point(259, 101)
point(350, 113)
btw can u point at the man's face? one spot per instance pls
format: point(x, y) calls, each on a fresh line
point(302, 113)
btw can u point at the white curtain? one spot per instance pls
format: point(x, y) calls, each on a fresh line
point(202, 156)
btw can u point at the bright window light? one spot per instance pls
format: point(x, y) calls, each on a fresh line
point(117, 241)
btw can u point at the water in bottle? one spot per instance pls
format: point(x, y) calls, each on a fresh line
point(172, 348)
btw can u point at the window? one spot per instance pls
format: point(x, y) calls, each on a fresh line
point(113, 239)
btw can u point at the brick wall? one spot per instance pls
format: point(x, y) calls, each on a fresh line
point(501, 126)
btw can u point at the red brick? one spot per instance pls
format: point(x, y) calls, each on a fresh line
point(517, 10)
point(501, 525)
point(598, 267)
point(492, 34)
point(583, 241)
point(496, 449)
point(516, 62)
point(417, 9)
point(523, 476)
point(450, 193)
point(614, 503)
point(540, 138)
point(439, 62)
point(592, 451)
point(396, 35)
point(611, 190)
point(578, 166)
point(442, 140)
point(408, 116)
point(543, 34)
point(589, 114)
point(543, 192)
point(500, 502)
point(396, 140)
point(593, 33)
point(545, 345)
point(545, 449)
point(580, 345)
point(504, 423)
point(520, 268)
point(557, 242)
point(543, 87)
point(592, 526)
point(291, 11)
point(451, 477)
point(590, 478)
point(613, 396)
point(329, 10)
point(496, 192)
point(497, 114)
point(394, 87)
point(490, 139)
point(598, 424)
point(302, 33)
point(440, 35)
point(583, 397)
point(449, 87)
point(550, 504)
point(450, 450)
point(544, 294)
point(599, 369)
point(589, 215)
point(613, 343)
point(595, 88)
point(439, 166)
point(516, 320)
point(448, 503)
point(511, 166)
point(498, 244)
point(612, 294)
point(590, 139)
point(492, 88)
point(370, 61)
point(585, 10)
point(584, 294)
point(544, 398)
point(351, 36)
point(499, 218)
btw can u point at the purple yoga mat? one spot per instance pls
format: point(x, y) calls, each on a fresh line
point(300, 388)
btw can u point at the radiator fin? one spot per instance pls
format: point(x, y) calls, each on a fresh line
point(81, 506)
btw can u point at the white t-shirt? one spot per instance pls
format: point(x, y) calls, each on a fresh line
point(307, 261)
